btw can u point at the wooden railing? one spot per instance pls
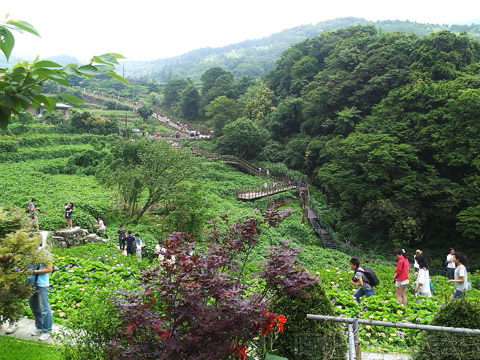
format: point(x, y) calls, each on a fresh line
point(258, 192)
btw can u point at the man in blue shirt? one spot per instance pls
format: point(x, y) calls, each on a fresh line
point(39, 301)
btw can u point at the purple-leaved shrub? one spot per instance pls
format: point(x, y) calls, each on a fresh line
point(200, 305)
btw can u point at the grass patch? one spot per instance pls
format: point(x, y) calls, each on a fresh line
point(12, 348)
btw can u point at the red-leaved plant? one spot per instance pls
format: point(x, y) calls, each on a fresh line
point(200, 306)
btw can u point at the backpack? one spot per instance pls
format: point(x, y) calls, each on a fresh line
point(372, 278)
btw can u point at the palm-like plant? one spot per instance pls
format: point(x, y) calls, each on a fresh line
point(348, 115)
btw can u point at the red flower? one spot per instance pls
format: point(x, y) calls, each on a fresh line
point(239, 351)
point(165, 334)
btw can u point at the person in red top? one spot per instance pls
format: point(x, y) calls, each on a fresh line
point(401, 276)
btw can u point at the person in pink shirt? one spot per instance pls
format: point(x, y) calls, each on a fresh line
point(401, 276)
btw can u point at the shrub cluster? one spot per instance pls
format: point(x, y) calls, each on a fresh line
point(460, 313)
point(200, 305)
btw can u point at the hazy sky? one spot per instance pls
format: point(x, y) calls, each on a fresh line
point(149, 29)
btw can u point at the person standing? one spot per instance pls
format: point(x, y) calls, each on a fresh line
point(121, 237)
point(65, 209)
point(32, 209)
point(359, 279)
point(130, 243)
point(139, 245)
point(450, 264)
point(39, 301)
point(401, 276)
point(460, 276)
point(422, 284)
point(68, 214)
point(416, 267)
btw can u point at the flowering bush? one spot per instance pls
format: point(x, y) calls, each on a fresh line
point(202, 305)
point(271, 327)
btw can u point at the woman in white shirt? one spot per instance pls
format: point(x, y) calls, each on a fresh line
point(422, 285)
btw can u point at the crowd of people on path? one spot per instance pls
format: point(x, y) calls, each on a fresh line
point(130, 244)
point(423, 286)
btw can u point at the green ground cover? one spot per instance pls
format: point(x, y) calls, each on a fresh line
point(334, 271)
point(12, 348)
point(23, 180)
point(88, 271)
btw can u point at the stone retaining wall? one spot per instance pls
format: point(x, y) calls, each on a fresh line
point(66, 238)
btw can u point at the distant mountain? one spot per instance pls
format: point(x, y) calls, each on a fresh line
point(64, 59)
point(60, 59)
point(13, 61)
point(255, 57)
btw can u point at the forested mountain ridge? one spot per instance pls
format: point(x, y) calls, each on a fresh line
point(255, 57)
point(388, 126)
point(385, 123)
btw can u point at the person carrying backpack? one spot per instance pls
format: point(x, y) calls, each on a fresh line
point(365, 278)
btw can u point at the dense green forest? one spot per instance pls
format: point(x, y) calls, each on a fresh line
point(256, 57)
point(384, 123)
point(387, 128)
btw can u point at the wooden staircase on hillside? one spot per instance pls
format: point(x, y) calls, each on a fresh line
point(252, 194)
point(322, 233)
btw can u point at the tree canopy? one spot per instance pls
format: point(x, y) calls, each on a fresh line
point(388, 128)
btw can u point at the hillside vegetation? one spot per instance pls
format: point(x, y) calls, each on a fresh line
point(385, 124)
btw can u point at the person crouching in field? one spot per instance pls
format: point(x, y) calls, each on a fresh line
point(359, 279)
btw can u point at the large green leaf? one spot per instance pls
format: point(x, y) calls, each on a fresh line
point(71, 69)
point(98, 60)
point(104, 68)
point(46, 64)
point(47, 101)
point(4, 116)
point(73, 100)
point(7, 41)
point(23, 100)
point(118, 77)
point(23, 25)
point(274, 357)
point(88, 70)
point(109, 58)
point(50, 74)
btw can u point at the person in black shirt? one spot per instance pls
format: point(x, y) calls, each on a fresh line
point(121, 237)
point(130, 243)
